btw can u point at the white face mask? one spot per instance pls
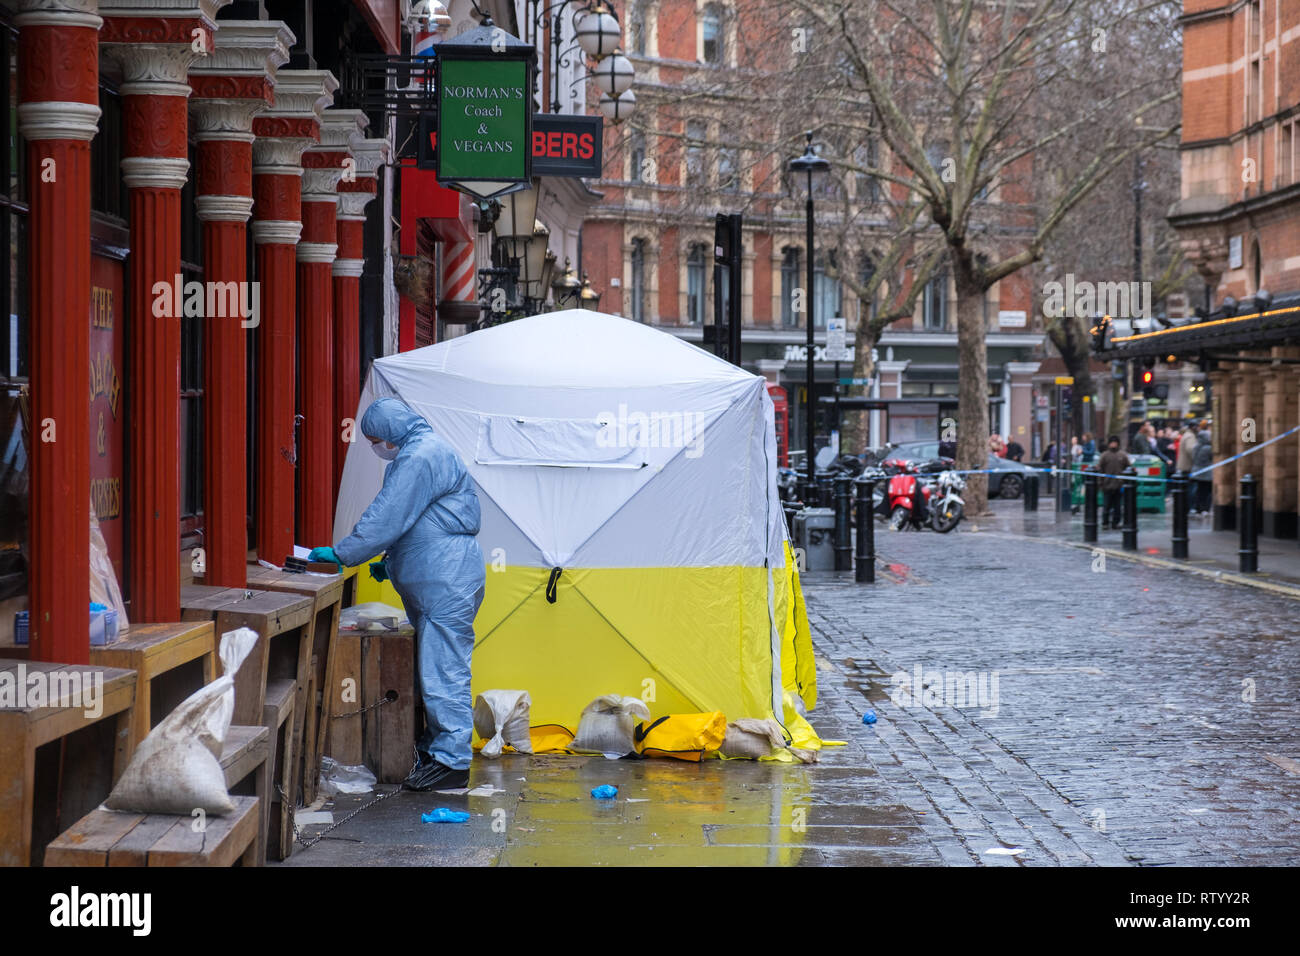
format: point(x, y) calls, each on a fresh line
point(384, 451)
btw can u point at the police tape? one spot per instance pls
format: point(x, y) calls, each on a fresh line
point(1265, 444)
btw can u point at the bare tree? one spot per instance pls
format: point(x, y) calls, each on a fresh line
point(960, 91)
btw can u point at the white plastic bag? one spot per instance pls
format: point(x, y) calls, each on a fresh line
point(500, 718)
point(340, 778)
point(103, 579)
point(607, 725)
point(177, 768)
point(373, 616)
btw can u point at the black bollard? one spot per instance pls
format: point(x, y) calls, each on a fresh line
point(1130, 513)
point(843, 525)
point(864, 565)
point(1090, 507)
point(1248, 554)
point(1030, 491)
point(825, 491)
point(1179, 493)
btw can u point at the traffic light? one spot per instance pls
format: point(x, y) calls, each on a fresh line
point(1148, 377)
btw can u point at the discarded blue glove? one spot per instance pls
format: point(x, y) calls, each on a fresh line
point(379, 570)
point(325, 554)
point(605, 792)
point(443, 815)
point(869, 717)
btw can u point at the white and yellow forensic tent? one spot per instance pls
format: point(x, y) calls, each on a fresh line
point(632, 532)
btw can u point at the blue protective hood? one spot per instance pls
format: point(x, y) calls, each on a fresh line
point(392, 420)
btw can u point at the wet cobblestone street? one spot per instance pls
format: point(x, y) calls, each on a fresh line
point(1120, 732)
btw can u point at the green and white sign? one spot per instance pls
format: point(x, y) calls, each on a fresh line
point(484, 113)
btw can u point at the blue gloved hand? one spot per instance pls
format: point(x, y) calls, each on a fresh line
point(325, 554)
point(379, 570)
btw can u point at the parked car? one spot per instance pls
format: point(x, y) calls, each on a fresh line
point(1006, 481)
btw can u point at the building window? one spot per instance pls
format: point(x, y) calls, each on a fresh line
point(827, 292)
point(636, 27)
point(636, 156)
point(1258, 265)
point(789, 283)
point(695, 283)
point(636, 293)
point(695, 136)
point(711, 31)
point(934, 304)
point(728, 167)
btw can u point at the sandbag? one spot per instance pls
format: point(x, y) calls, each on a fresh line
point(751, 739)
point(500, 718)
point(177, 768)
point(682, 736)
point(608, 726)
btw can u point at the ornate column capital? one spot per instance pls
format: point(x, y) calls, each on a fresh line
point(59, 83)
point(58, 13)
point(327, 163)
point(237, 81)
point(352, 205)
point(156, 41)
point(370, 155)
point(292, 125)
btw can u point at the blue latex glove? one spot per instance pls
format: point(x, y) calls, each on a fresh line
point(605, 792)
point(443, 815)
point(379, 570)
point(325, 554)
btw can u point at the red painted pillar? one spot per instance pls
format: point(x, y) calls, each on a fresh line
point(283, 134)
point(230, 88)
point(354, 194)
point(58, 115)
point(155, 55)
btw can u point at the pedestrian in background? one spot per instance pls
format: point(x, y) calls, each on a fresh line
point(1186, 456)
point(1203, 459)
point(1015, 450)
point(996, 446)
point(1113, 462)
point(1089, 448)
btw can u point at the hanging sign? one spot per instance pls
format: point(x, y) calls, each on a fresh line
point(485, 111)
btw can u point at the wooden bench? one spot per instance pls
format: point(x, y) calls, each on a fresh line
point(110, 838)
point(56, 761)
point(244, 760)
point(326, 594)
point(373, 663)
point(277, 718)
point(171, 662)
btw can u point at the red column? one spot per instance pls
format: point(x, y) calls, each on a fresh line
point(347, 270)
point(283, 133)
point(155, 55)
point(58, 116)
point(229, 88)
point(275, 228)
point(316, 353)
point(224, 201)
point(355, 193)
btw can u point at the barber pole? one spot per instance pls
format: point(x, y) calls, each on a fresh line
point(458, 272)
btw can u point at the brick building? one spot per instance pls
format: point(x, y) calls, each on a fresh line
point(1239, 223)
point(694, 148)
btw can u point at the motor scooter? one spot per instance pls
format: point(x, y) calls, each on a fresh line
point(915, 503)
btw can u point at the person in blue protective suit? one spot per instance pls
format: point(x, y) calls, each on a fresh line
point(425, 518)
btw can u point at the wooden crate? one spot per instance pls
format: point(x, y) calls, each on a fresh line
point(159, 655)
point(244, 756)
point(108, 838)
point(57, 762)
point(326, 593)
point(383, 738)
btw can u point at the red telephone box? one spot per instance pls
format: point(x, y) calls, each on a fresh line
point(782, 407)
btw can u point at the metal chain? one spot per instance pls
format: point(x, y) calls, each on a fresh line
point(308, 844)
point(387, 699)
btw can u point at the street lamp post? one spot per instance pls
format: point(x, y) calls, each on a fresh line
point(811, 165)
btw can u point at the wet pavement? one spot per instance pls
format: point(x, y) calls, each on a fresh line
point(1069, 711)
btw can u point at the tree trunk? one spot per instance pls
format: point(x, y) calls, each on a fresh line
point(972, 389)
point(855, 428)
